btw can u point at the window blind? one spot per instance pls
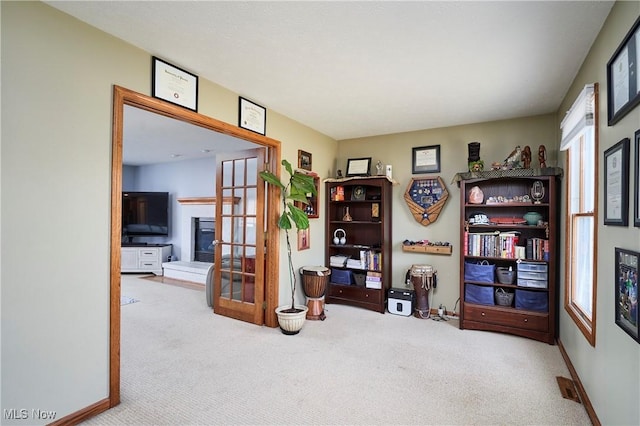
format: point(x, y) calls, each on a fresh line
point(580, 116)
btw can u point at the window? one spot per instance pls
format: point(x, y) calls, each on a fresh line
point(580, 140)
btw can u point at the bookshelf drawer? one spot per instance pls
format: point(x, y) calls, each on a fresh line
point(513, 318)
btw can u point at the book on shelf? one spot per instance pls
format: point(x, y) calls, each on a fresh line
point(373, 280)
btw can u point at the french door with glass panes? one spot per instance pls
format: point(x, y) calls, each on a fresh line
point(238, 290)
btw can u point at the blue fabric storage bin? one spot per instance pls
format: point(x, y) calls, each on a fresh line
point(341, 276)
point(532, 300)
point(483, 272)
point(478, 294)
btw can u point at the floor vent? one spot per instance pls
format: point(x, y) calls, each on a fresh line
point(568, 389)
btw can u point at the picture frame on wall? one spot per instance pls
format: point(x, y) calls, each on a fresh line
point(358, 166)
point(173, 84)
point(626, 288)
point(616, 184)
point(425, 159)
point(623, 76)
point(303, 239)
point(252, 116)
point(636, 180)
point(304, 160)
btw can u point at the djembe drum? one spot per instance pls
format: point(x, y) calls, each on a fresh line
point(314, 281)
point(422, 278)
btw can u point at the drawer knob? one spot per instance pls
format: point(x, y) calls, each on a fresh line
point(526, 320)
point(366, 295)
point(482, 314)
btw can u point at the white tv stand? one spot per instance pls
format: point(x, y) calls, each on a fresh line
point(144, 258)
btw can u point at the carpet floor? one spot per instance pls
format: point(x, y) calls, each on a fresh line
point(182, 364)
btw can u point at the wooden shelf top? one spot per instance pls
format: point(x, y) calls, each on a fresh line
point(428, 249)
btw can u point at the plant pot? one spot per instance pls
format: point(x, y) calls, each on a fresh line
point(291, 322)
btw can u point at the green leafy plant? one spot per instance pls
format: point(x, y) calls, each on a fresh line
point(295, 188)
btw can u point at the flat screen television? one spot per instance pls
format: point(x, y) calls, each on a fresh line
point(145, 214)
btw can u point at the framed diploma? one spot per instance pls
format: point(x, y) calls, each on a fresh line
point(358, 166)
point(252, 116)
point(174, 84)
point(623, 76)
point(426, 159)
point(616, 184)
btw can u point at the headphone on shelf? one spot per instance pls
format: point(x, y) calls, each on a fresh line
point(339, 240)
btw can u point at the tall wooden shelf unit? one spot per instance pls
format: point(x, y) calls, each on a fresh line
point(535, 321)
point(368, 202)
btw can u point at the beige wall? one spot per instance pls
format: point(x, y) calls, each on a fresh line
point(57, 80)
point(610, 371)
point(497, 139)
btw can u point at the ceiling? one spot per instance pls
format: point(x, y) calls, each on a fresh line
point(359, 68)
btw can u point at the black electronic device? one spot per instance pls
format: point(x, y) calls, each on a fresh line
point(401, 301)
point(145, 214)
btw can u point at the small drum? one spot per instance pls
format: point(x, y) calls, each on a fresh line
point(314, 282)
point(422, 278)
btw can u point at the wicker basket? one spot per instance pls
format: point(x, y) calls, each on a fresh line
point(505, 276)
point(503, 298)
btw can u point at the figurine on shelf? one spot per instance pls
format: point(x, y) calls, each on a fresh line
point(379, 168)
point(513, 160)
point(542, 156)
point(526, 157)
point(474, 161)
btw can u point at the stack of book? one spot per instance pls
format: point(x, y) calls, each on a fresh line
point(338, 260)
point(373, 280)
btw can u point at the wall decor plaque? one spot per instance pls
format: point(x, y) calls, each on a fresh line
point(426, 196)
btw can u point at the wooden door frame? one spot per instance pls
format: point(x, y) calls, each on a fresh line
point(122, 97)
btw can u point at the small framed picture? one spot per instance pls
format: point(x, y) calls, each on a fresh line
point(358, 166)
point(252, 116)
point(358, 193)
point(304, 160)
point(636, 179)
point(616, 184)
point(626, 283)
point(426, 159)
point(174, 84)
point(303, 239)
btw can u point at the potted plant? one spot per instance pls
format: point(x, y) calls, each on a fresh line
point(295, 188)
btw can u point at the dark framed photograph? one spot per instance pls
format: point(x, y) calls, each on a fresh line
point(425, 159)
point(616, 184)
point(358, 193)
point(636, 180)
point(252, 116)
point(626, 299)
point(623, 76)
point(358, 166)
point(173, 84)
point(304, 160)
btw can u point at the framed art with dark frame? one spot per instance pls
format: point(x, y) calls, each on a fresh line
point(425, 159)
point(304, 160)
point(623, 76)
point(358, 166)
point(173, 84)
point(252, 116)
point(636, 180)
point(626, 298)
point(616, 184)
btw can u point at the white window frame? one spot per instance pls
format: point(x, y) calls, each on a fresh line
point(580, 140)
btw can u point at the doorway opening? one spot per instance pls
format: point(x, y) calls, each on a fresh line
point(122, 97)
